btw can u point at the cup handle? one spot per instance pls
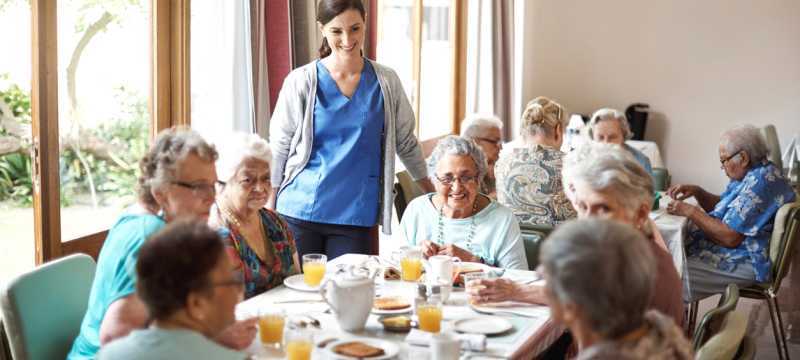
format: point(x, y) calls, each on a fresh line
point(323, 291)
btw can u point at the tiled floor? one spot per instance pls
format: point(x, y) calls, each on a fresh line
point(759, 324)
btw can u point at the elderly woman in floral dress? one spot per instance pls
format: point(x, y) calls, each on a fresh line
point(457, 220)
point(260, 242)
point(729, 233)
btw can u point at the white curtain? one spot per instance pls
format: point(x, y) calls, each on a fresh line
point(221, 68)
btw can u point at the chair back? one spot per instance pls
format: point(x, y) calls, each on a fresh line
point(712, 321)
point(4, 352)
point(726, 343)
point(43, 309)
point(747, 351)
point(770, 135)
point(532, 238)
point(406, 190)
point(785, 234)
point(660, 179)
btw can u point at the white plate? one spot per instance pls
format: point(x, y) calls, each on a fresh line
point(486, 325)
point(390, 349)
point(296, 282)
point(392, 312)
point(472, 266)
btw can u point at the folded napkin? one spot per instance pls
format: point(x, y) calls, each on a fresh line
point(470, 342)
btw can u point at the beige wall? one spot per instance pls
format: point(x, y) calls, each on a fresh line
point(703, 66)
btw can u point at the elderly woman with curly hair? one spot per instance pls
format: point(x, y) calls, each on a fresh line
point(260, 242)
point(529, 177)
point(457, 220)
point(729, 233)
point(600, 276)
point(177, 182)
point(611, 126)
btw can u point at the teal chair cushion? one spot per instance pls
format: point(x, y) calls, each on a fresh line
point(43, 309)
point(532, 237)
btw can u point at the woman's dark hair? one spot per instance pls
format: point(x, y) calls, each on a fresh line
point(329, 9)
point(175, 262)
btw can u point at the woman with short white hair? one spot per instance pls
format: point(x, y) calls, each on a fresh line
point(729, 233)
point(457, 220)
point(529, 177)
point(486, 131)
point(611, 126)
point(260, 242)
point(599, 280)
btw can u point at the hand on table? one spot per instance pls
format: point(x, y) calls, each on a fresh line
point(452, 250)
point(682, 192)
point(677, 207)
point(492, 290)
point(239, 335)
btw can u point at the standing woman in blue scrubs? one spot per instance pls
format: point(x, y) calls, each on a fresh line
point(337, 126)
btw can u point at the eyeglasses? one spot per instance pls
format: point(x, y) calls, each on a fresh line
point(236, 281)
point(723, 161)
point(197, 189)
point(448, 180)
point(248, 182)
point(497, 142)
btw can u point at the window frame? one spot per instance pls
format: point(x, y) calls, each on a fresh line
point(169, 106)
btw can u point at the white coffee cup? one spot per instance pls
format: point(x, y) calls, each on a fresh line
point(445, 347)
point(441, 267)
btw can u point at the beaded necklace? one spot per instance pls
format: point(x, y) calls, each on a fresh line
point(470, 235)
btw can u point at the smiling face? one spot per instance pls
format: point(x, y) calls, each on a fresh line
point(609, 132)
point(250, 186)
point(345, 34)
point(460, 195)
point(191, 192)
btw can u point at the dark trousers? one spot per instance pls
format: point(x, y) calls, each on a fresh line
point(332, 240)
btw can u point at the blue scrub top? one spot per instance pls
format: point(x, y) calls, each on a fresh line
point(341, 181)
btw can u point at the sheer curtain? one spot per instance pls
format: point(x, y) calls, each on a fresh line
point(222, 67)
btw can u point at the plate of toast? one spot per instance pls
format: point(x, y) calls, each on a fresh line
point(362, 348)
point(389, 305)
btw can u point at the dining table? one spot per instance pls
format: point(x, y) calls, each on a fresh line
point(674, 229)
point(532, 331)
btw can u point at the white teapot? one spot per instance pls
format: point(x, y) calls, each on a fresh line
point(350, 296)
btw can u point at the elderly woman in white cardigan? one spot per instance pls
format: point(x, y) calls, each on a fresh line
point(457, 220)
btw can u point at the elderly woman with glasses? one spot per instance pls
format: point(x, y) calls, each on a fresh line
point(611, 127)
point(177, 182)
point(599, 277)
point(486, 131)
point(729, 233)
point(529, 177)
point(260, 241)
point(457, 220)
point(604, 181)
point(190, 288)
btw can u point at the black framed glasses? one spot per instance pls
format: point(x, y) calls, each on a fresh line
point(490, 141)
point(722, 162)
point(197, 189)
point(448, 180)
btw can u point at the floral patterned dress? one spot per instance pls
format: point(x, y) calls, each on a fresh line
point(258, 276)
point(529, 183)
point(748, 207)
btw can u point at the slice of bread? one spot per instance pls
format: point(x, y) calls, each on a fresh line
point(358, 349)
point(390, 303)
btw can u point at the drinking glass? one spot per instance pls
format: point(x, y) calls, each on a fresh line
point(471, 279)
point(411, 265)
point(270, 327)
point(314, 268)
point(299, 344)
point(429, 314)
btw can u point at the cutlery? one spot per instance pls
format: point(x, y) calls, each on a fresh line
point(325, 342)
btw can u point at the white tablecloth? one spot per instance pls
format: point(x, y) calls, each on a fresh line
point(649, 149)
point(674, 230)
point(530, 337)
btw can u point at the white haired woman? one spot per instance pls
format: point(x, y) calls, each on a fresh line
point(599, 277)
point(260, 242)
point(529, 177)
point(729, 233)
point(486, 131)
point(611, 126)
point(457, 220)
point(604, 181)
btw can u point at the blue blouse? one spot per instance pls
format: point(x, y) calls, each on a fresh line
point(341, 182)
point(748, 207)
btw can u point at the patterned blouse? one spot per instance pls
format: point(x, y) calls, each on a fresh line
point(529, 183)
point(258, 276)
point(748, 207)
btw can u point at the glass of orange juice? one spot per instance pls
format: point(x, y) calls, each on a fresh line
point(429, 314)
point(314, 268)
point(270, 327)
point(299, 344)
point(411, 265)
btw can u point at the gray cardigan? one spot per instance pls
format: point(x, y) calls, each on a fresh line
point(291, 131)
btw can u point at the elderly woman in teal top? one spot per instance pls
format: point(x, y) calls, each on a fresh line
point(457, 220)
point(338, 123)
point(177, 182)
point(611, 127)
point(729, 233)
